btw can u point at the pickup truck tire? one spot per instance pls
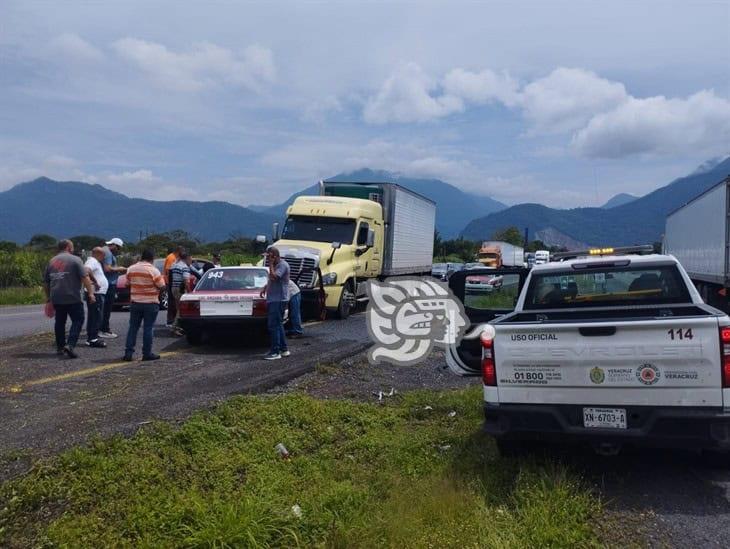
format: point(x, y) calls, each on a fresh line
point(510, 447)
point(347, 300)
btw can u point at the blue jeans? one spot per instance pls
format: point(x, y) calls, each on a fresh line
point(74, 311)
point(295, 314)
point(95, 311)
point(141, 313)
point(275, 323)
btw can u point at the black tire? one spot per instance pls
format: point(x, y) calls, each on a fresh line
point(345, 306)
point(194, 337)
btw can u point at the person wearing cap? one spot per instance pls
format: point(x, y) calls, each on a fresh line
point(112, 272)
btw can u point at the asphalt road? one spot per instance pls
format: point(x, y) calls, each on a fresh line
point(49, 403)
point(29, 320)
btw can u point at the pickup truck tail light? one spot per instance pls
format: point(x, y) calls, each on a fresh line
point(725, 355)
point(489, 370)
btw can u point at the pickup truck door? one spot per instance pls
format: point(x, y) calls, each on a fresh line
point(486, 294)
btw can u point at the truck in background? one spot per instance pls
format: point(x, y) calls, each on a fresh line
point(542, 257)
point(697, 234)
point(354, 232)
point(496, 254)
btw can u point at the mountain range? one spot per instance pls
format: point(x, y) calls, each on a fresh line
point(68, 208)
point(640, 221)
point(619, 200)
point(72, 208)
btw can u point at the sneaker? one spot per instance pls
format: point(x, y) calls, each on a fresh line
point(59, 351)
point(127, 358)
point(108, 335)
point(69, 352)
point(169, 325)
point(294, 335)
point(97, 344)
point(153, 356)
point(272, 356)
point(285, 353)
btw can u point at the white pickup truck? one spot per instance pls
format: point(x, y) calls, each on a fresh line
point(604, 348)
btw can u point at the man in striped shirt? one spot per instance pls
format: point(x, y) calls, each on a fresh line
point(145, 283)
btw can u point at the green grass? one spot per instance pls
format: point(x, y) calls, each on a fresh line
point(22, 296)
point(497, 299)
point(364, 475)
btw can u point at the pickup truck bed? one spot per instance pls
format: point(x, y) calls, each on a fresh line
point(611, 350)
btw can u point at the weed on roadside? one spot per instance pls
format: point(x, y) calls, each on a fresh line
point(406, 474)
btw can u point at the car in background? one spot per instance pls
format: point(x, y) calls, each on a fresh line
point(440, 271)
point(443, 271)
point(483, 283)
point(123, 298)
point(229, 299)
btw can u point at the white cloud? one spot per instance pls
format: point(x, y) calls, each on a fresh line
point(657, 125)
point(205, 65)
point(567, 98)
point(136, 177)
point(481, 87)
point(71, 47)
point(406, 97)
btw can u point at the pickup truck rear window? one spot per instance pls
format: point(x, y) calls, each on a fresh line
point(605, 287)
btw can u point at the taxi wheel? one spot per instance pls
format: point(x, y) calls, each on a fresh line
point(194, 337)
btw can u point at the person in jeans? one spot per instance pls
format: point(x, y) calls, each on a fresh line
point(112, 272)
point(145, 283)
point(95, 310)
point(172, 257)
point(295, 311)
point(277, 295)
point(179, 277)
point(62, 282)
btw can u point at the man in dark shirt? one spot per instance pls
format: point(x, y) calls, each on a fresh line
point(63, 280)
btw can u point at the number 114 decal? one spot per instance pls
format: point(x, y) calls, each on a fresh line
point(680, 333)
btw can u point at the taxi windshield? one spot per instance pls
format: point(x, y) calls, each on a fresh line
point(606, 287)
point(233, 279)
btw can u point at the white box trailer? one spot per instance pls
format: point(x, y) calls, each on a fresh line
point(697, 234)
point(410, 223)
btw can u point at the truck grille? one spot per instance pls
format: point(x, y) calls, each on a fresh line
point(302, 270)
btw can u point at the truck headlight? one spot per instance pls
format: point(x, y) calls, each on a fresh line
point(329, 279)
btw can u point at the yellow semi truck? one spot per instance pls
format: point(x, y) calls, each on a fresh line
point(354, 232)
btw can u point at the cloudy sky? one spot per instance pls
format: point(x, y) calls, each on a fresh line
point(564, 103)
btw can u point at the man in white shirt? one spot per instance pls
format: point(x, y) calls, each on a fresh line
point(94, 269)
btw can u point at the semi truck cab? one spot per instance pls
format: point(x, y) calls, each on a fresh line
point(354, 232)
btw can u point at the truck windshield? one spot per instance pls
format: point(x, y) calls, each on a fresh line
point(489, 255)
point(606, 287)
point(319, 229)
